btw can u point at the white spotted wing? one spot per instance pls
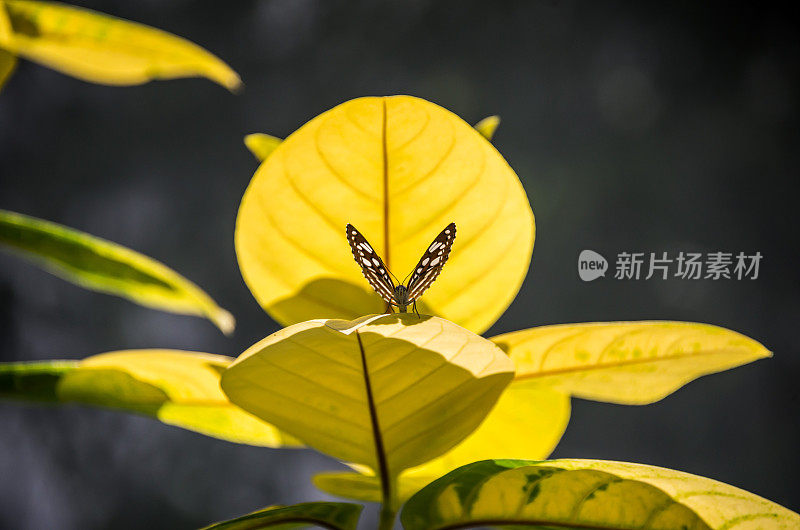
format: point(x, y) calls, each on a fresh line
point(371, 264)
point(431, 263)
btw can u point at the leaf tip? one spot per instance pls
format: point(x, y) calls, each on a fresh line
point(234, 83)
point(225, 321)
point(261, 145)
point(488, 126)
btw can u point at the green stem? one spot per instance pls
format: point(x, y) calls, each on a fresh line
point(387, 516)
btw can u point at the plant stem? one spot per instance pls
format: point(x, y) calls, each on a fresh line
point(387, 517)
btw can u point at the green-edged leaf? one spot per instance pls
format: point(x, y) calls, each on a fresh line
point(34, 381)
point(587, 494)
point(399, 169)
point(7, 64)
point(385, 391)
point(624, 362)
point(525, 423)
point(104, 266)
point(177, 387)
point(488, 126)
point(261, 145)
point(103, 49)
point(333, 515)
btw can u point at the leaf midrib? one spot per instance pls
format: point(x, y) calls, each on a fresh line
point(380, 451)
point(616, 364)
point(384, 147)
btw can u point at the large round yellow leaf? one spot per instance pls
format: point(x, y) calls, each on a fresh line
point(399, 169)
point(384, 391)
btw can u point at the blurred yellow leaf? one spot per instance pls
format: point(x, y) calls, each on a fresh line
point(631, 363)
point(587, 494)
point(104, 49)
point(177, 387)
point(104, 266)
point(7, 64)
point(5, 24)
point(488, 126)
point(400, 169)
point(384, 391)
point(261, 145)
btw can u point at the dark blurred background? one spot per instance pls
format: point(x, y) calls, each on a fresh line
point(633, 128)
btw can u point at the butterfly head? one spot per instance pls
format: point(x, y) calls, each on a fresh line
point(401, 296)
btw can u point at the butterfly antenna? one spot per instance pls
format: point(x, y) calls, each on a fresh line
point(395, 277)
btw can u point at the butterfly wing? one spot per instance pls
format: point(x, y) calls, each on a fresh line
point(371, 264)
point(431, 263)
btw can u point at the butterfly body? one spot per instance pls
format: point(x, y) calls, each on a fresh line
point(401, 298)
point(423, 275)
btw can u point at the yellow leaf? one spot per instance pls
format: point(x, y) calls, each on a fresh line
point(177, 387)
point(525, 423)
point(261, 145)
point(7, 64)
point(625, 362)
point(719, 504)
point(385, 391)
point(5, 25)
point(488, 126)
point(399, 169)
point(104, 49)
point(104, 266)
point(365, 488)
point(587, 494)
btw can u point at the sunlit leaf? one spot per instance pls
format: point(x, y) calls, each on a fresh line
point(261, 145)
point(33, 381)
point(333, 515)
point(525, 423)
point(587, 494)
point(624, 362)
point(177, 387)
point(5, 25)
point(385, 391)
point(7, 64)
point(104, 266)
point(104, 49)
point(399, 169)
point(352, 485)
point(488, 126)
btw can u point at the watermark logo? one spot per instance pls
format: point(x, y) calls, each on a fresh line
point(661, 265)
point(591, 265)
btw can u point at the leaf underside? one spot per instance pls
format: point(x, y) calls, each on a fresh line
point(386, 391)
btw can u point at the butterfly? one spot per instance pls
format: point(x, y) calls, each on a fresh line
point(379, 277)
